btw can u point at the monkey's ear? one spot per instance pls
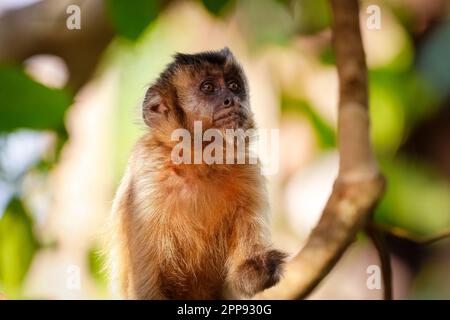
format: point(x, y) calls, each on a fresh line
point(226, 51)
point(154, 109)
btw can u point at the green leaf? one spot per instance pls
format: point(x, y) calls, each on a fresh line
point(17, 247)
point(131, 19)
point(417, 199)
point(216, 7)
point(25, 103)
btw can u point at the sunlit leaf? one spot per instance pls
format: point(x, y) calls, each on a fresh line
point(17, 247)
point(387, 117)
point(130, 19)
point(25, 103)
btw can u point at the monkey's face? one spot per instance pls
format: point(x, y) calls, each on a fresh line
point(210, 87)
point(216, 95)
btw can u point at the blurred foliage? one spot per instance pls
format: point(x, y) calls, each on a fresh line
point(417, 198)
point(429, 283)
point(266, 22)
point(96, 263)
point(217, 7)
point(311, 16)
point(131, 20)
point(17, 247)
point(327, 56)
point(398, 100)
point(25, 103)
point(326, 136)
point(433, 59)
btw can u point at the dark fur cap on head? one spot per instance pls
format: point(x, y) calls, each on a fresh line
point(213, 57)
point(221, 59)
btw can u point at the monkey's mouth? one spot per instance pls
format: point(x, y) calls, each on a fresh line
point(229, 118)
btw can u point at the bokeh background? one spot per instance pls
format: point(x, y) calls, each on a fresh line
point(69, 115)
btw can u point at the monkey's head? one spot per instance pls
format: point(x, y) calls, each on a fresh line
point(210, 87)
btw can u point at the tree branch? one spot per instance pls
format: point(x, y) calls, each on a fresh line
point(359, 184)
point(40, 28)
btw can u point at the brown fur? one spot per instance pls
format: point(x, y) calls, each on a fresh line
point(190, 231)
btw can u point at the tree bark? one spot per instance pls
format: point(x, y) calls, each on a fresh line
point(359, 184)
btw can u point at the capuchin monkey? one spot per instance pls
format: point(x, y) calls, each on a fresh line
point(192, 231)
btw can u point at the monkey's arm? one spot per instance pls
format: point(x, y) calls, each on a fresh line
point(252, 265)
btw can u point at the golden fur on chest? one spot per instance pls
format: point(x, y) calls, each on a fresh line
point(196, 226)
point(186, 221)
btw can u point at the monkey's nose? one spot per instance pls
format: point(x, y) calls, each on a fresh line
point(227, 102)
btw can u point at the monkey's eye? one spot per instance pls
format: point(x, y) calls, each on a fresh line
point(207, 87)
point(233, 86)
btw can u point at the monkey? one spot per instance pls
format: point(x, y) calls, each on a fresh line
point(192, 231)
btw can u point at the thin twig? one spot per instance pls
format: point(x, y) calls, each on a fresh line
point(405, 234)
point(379, 241)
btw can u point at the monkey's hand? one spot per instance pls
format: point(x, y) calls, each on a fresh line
point(260, 271)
